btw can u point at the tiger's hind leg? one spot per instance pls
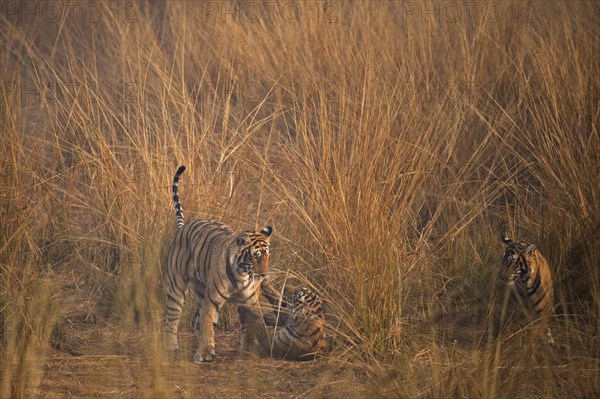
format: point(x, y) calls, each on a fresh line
point(203, 332)
point(199, 289)
point(176, 290)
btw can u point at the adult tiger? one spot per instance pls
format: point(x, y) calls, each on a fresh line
point(220, 266)
point(301, 335)
point(527, 274)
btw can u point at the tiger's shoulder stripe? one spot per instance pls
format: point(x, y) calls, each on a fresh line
point(178, 207)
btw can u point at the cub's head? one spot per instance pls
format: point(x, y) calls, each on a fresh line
point(517, 261)
point(253, 249)
point(302, 301)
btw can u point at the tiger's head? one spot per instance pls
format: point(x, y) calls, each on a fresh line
point(516, 260)
point(253, 252)
point(302, 301)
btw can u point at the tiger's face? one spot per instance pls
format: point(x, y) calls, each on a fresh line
point(515, 261)
point(254, 252)
point(304, 302)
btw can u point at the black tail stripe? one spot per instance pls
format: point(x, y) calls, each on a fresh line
point(178, 207)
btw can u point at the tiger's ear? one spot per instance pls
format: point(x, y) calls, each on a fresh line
point(505, 240)
point(266, 231)
point(530, 249)
point(243, 239)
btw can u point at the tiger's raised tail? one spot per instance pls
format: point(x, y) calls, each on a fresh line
point(178, 208)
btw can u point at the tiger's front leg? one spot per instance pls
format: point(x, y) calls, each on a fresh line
point(278, 307)
point(207, 319)
point(253, 320)
point(252, 328)
point(246, 319)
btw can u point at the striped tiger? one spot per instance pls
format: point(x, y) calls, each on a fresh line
point(301, 335)
point(220, 266)
point(527, 274)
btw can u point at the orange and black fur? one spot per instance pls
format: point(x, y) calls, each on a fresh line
point(220, 266)
point(301, 334)
point(527, 275)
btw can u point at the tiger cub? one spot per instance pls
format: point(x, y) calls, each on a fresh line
point(527, 274)
point(301, 331)
point(220, 266)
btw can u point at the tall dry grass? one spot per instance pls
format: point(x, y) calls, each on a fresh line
point(389, 144)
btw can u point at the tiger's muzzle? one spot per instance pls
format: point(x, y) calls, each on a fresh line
point(252, 272)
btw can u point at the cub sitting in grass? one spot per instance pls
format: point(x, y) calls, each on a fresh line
point(300, 328)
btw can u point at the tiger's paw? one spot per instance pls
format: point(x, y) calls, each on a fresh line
point(250, 351)
point(171, 343)
point(174, 354)
point(275, 319)
point(205, 355)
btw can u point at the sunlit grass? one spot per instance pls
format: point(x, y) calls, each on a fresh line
point(389, 149)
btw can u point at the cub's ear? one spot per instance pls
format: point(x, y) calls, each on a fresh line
point(530, 249)
point(243, 239)
point(266, 231)
point(505, 240)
